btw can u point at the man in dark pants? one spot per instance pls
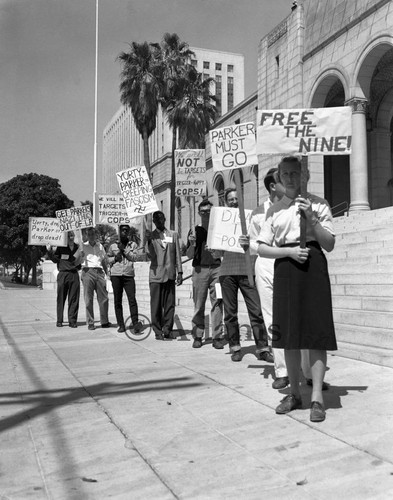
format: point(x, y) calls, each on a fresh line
point(163, 251)
point(121, 257)
point(68, 261)
point(204, 280)
point(233, 277)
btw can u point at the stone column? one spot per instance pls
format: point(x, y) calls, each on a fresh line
point(358, 159)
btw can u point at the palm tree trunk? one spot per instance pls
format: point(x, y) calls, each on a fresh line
point(146, 158)
point(173, 181)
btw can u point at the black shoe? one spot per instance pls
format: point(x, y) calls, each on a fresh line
point(280, 383)
point(59, 324)
point(236, 356)
point(266, 356)
point(317, 412)
point(197, 343)
point(160, 336)
point(218, 343)
point(169, 335)
point(91, 327)
point(73, 325)
point(325, 386)
point(121, 329)
point(288, 404)
point(138, 327)
point(106, 325)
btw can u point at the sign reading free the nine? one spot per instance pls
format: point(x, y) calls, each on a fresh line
point(318, 131)
point(190, 172)
point(233, 147)
point(75, 218)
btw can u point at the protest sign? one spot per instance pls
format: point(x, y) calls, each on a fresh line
point(111, 210)
point(190, 172)
point(46, 231)
point(319, 131)
point(233, 147)
point(225, 229)
point(137, 191)
point(75, 218)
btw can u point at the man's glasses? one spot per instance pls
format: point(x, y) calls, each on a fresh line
point(204, 212)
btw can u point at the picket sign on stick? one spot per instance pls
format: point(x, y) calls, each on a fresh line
point(234, 147)
point(303, 194)
point(240, 200)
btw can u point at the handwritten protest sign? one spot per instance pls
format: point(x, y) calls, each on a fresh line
point(137, 191)
point(75, 218)
point(225, 229)
point(319, 131)
point(190, 172)
point(233, 147)
point(111, 210)
point(46, 231)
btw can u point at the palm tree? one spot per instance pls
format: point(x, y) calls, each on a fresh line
point(193, 112)
point(140, 90)
point(173, 57)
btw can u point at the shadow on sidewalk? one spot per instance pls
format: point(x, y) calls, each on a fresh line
point(46, 400)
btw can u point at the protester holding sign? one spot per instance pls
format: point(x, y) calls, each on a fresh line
point(68, 260)
point(94, 269)
point(233, 277)
point(204, 280)
point(302, 304)
point(163, 251)
point(121, 258)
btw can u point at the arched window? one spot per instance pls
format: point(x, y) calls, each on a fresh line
point(178, 208)
point(220, 188)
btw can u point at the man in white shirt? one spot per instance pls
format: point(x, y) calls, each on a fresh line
point(94, 269)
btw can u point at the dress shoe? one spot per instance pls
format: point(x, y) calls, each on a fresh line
point(288, 404)
point(325, 386)
point(91, 327)
point(106, 325)
point(160, 336)
point(236, 356)
point(73, 325)
point(266, 356)
point(169, 335)
point(138, 327)
point(59, 324)
point(218, 343)
point(121, 329)
point(280, 383)
point(317, 412)
point(197, 343)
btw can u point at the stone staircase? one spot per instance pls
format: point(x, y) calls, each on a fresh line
point(361, 274)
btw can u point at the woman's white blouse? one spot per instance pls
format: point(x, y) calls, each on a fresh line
point(282, 225)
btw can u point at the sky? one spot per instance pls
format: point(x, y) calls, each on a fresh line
point(47, 71)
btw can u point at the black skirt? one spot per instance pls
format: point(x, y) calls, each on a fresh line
point(302, 303)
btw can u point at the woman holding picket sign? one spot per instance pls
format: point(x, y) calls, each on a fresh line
point(302, 304)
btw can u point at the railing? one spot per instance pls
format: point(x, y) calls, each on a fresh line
point(336, 210)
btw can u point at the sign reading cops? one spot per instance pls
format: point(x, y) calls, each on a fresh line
point(46, 231)
point(319, 131)
point(137, 191)
point(75, 218)
point(233, 147)
point(111, 210)
point(190, 172)
point(225, 229)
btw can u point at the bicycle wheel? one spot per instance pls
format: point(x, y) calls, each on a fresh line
point(144, 331)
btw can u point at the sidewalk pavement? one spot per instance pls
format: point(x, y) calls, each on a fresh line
point(95, 415)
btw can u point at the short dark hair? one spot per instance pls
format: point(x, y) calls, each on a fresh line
point(157, 214)
point(204, 203)
point(270, 178)
point(227, 191)
point(124, 226)
point(290, 159)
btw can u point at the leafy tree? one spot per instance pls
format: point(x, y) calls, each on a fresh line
point(106, 235)
point(24, 196)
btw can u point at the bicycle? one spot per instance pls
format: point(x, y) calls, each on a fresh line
point(144, 331)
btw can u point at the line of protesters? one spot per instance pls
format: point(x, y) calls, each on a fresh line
point(290, 308)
